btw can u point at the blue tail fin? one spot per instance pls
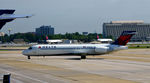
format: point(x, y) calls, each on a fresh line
point(3, 22)
point(6, 11)
point(124, 38)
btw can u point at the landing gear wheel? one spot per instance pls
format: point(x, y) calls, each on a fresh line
point(83, 57)
point(29, 57)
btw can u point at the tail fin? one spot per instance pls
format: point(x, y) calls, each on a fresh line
point(6, 11)
point(97, 36)
point(46, 37)
point(2, 24)
point(124, 38)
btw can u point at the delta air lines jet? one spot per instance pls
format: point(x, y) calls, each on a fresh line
point(79, 49)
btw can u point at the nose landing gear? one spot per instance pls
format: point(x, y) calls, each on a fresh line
point(83, 56)
point(29, 57)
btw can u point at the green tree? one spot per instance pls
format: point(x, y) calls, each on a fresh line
point(30, 37)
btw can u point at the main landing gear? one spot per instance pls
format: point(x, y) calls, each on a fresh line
point(83, 56)
point(29, 57)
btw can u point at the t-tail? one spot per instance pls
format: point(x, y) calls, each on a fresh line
point(2, 12)
point(7, 15)
point(124, 38)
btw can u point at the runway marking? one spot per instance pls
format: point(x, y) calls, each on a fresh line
point(130, 62)
point(122, 58)
point(75, 76)
point(16, 81)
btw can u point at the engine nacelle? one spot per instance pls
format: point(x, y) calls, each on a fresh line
point(99, 49)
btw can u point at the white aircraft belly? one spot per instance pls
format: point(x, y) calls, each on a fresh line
point(84, 51)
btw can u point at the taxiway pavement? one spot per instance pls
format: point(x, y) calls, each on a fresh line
point(127, 66)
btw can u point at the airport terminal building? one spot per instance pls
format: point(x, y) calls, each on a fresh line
point(115, 28)
point(45, 30)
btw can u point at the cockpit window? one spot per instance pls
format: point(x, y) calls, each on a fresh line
point(30, 48)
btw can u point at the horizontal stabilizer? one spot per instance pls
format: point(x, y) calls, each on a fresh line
point(13, 16)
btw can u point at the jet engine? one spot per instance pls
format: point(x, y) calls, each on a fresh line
point(100, 49)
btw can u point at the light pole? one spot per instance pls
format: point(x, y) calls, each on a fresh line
point(9, 30)
point(1, 36)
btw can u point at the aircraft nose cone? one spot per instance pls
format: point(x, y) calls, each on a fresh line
point(25, 52)
point(124, 47)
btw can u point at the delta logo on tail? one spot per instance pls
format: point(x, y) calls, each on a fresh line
point(125, 37)
point(46, 37)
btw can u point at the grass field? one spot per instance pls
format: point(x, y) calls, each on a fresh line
point(138, 46)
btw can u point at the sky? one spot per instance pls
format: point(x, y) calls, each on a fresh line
point(73, 15)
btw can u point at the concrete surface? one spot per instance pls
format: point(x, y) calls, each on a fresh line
point(127, 66)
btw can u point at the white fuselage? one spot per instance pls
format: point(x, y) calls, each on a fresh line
point(64, 49)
